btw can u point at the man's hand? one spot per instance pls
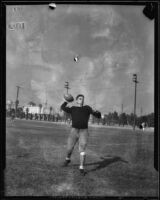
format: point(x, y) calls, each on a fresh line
point(97, 113)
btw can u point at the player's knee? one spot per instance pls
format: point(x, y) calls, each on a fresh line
point(82, 147)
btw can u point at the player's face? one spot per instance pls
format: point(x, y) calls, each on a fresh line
point(80, 100)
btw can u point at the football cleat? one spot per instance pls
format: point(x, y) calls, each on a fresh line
point(82, 172)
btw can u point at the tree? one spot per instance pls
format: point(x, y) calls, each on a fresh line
point(141, 119)
point(123, 119)
point(50, 109)
point(109, 118)
point(40, 106)
point(115, 117)
point(150, 120)
point(31, 103)
point(19, 112)
point(130, 119)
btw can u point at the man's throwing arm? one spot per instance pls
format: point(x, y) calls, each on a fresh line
point(65, 108)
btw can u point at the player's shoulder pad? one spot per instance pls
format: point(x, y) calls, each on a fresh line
point(88, 107)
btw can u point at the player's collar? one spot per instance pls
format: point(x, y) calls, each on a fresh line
point(82, 106)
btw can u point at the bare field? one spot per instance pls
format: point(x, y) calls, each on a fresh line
point(119, 162)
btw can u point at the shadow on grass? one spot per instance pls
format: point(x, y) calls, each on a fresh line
point(104, 162)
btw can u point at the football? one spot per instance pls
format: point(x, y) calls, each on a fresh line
point(52, 6)
point(76, 59)
point(68, 97)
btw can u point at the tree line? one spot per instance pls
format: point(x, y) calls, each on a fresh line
point(112, 118)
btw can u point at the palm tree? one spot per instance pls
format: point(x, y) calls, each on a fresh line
point(40, 106)
point(50, 109)
point(31, 103)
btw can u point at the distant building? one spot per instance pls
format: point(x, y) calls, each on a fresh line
point(32, 109)
point(38, 110)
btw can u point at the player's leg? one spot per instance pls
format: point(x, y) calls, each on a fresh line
point(72, 139)
point(83, 139)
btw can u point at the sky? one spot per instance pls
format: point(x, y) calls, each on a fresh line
point(112, 43)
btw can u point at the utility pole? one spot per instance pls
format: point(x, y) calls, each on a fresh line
point(17, 101)
point(46, 97)
point(67, 86)
point(46, 103)
point(135, 81)
point(122, 108)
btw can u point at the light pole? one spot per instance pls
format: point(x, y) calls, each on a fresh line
point(135, 94)
point(67, 86)
point(122, 108)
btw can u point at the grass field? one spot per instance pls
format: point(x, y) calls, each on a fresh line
point(119, 162)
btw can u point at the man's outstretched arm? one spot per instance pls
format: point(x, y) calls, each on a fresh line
point(95, 113)
point(65, 108)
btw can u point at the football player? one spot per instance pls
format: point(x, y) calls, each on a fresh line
point(79, 130)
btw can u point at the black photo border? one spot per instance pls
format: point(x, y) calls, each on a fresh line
point(3, 5)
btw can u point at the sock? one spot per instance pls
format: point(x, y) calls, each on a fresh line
point(82, 159)
point(81, 167)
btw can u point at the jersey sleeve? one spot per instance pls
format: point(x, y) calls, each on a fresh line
point(95, 113)
point(65, 108)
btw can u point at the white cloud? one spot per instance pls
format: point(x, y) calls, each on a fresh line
point(11, 60)
point(102, 33)
point(105, 15)
point(109, 53)
point(39, 89)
